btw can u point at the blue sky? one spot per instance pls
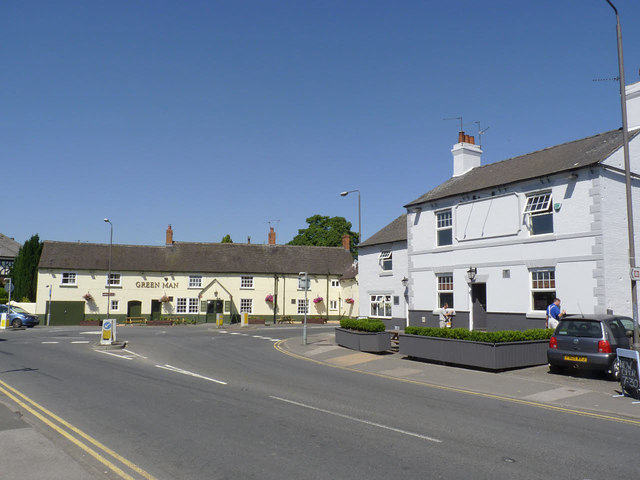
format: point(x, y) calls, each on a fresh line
point(220, 116)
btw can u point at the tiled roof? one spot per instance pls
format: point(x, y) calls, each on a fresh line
point(564, 157)
point(8, 247)
point(197, 258)
point(396, 231)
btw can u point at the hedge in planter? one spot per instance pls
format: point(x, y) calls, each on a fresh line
point(489, 350)
point(365, 335)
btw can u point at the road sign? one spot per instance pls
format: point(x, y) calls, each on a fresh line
point(635, 273)
point(107, 333)
point(108, 294)
point(9, 286)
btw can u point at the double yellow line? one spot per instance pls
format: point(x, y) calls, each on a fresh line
point(76, 436)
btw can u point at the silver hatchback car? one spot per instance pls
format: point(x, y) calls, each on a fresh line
point(589, 342)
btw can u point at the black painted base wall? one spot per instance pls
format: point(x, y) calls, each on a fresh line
point(495, 321)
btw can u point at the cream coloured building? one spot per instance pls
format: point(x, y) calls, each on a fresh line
point(193, 281)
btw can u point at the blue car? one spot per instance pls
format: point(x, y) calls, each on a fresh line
point(19, 317)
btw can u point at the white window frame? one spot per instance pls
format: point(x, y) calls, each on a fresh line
point(115, 305)
point(246, 305)
point(539, 203)
point(445, 288)
point(543, 280)
point(443, 224)
point(246, 282)
point(69, 279)
point(381, 306)
point(333, 305)
point(385, 260)
point(301, 306)
point(115, 279)
point(195, 281)
point(335, 283)
point(187, 305)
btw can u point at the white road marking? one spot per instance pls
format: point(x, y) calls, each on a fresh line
point(354, 419)
point(555, 394)
point(185, 372)
point(81, 341)
point(49, 342)
point(91, 333)
point(126, 357)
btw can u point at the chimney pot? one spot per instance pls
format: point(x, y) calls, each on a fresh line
point(460, 137)
point(472, 140)
point(169, 236)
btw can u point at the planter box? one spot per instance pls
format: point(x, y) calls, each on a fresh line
point(490, 356)
point(159, 322)
point(319, 320)
point(363, 341)
point(255, 321)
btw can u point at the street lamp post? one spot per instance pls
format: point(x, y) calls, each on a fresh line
point(306, 304)
point(344, 194)
point(49, 307)
point(109, 276)
point(627, 175)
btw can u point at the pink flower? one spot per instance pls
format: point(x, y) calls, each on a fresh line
point(317, 299)
point(350, 300)
point(268, 298)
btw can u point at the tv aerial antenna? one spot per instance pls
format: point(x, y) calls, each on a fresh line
point(456, 118)
point(480, 132)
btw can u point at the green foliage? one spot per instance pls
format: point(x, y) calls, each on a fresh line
point(4, 295)
point(487, 337)
point(325, 232)
point(363, 324)
point(24, 272)
point(226, 239)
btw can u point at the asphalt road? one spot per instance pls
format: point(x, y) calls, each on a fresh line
point(201, 403)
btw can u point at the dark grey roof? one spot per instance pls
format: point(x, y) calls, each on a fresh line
point(8, 247)
point(350, 273)
point(197, 258)
point(567, 156)
point(396, 231)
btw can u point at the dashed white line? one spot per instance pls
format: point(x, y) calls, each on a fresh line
point(191, 374)
point(81, 341)
point(49, 342)
point(354, 419)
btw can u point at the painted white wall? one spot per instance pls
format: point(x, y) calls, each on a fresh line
point(375, 281)
point(633, 106)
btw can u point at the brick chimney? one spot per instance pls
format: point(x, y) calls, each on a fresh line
point(466, 154)
point(346, 241)
point(169, 235)
point(272, 236)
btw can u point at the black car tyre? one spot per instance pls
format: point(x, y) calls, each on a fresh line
point(16, 323)
point(614, 370)
point(555, 369)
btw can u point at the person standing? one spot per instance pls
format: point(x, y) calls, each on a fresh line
point(554, 314)
point(445, 316)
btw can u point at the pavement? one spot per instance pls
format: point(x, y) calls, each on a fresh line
point(579, 393)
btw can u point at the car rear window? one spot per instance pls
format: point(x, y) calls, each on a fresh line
point(580, 328)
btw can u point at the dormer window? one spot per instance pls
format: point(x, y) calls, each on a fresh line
point(539, 213)
point(385, 260)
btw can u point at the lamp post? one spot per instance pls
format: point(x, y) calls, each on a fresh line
point(306, 304)
point(344, 194)
point(627, 175)
point(49, 307)
point(405, 284)
point(109, 275)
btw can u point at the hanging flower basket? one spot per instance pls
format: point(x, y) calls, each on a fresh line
point(350, 301)
point(269, 298)
point(164, 299)
point(317, 300)
point(88, 297)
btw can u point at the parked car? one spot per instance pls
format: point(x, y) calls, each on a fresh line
point(589, 342)
point(18, 317)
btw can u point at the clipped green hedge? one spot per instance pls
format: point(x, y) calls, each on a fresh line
point(488, 337)
point(363, 324)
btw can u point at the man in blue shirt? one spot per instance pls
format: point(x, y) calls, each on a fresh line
point(554, 314)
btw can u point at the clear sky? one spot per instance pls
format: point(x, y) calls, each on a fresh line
point(220, 116)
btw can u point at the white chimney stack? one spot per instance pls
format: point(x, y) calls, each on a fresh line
point(633, 106)
point(466, 154)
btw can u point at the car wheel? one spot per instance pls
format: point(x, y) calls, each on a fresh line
point(555, 369)
point(16, 323)
point(614, 370)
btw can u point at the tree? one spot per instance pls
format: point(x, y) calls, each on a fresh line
point(24, 272)
point(326, 232)
point(226, 239)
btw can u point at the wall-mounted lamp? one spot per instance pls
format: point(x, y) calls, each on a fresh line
point(405, 281)
point(471, 273)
